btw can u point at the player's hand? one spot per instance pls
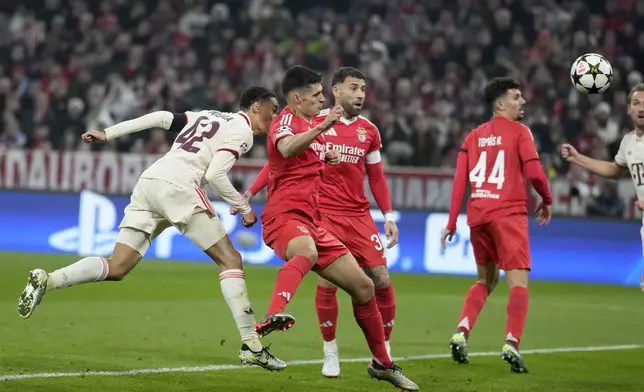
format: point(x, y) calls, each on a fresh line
point(391, 230)
point(544, 213)
point(94, 135)
point(332, 157)
point(334, 115)
point(447, 236)
point(246, 195)
point(568, 152)
point(640, 204)
point(248, 220)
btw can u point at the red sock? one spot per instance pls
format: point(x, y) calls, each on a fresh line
point(474, 301)
point(386, 301)
point(370, 321)
point(326, 306)
point(288, 280)
point(517, 313)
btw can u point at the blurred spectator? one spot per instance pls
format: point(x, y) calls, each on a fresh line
point(66, 66)
point(607, 203)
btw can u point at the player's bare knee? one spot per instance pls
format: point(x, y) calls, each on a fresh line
point(233, 260)
point(324, 283)
point(363, 290)
point(118, 269)
point(379, 275)
point(517, 277)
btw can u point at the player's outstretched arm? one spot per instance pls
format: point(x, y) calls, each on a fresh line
point(603, 168)
point(217, 177)
point(159, 119)
point(293, 145)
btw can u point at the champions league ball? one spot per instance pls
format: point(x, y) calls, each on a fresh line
point(591, 73)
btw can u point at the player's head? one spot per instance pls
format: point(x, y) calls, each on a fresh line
point(303, 91)
point(349, 85)
point(261, 106)
point(503, 95)
point(636, 106)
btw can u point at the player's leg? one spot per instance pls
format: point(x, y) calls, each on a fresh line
point(487, 278)
point(291, 240)
point(326, 307)
point(206, 231)
point(511, 234)
point(131, 245)
point(339, 267)
point(385, 297)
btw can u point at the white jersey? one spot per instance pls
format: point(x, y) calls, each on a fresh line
point(631, 156)
point(192, 152)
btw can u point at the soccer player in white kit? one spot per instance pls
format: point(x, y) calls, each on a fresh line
point(629, 158)
point(170, 193)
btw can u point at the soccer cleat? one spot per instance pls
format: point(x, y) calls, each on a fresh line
point(331, 365)
point(458, 348)
point(33, 293)
point(263, 359)
point(274, 322)
point(393, 375)
point(513, 358)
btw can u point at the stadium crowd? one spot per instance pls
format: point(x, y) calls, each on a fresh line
point(66, 66)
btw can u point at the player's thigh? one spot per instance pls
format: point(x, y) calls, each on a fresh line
point(346, 274)
point(131, 244)
point(360, 235)
point(208, 233)
point(483, 244)
point(290, 236)
point(512, 242)
point(338, 266)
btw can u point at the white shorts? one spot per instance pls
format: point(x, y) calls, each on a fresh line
point(156, 205)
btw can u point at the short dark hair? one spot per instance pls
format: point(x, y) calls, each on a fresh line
point(299, 76)
point(254, 94)
point(498, 87)
point(636, 88)
point(341, 74)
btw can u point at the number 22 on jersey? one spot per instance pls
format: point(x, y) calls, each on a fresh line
point(479, 175)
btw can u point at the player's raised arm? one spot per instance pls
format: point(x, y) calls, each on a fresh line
point(615, 169)
point(159, 119)
point(291, 145)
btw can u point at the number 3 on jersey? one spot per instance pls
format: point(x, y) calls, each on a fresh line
point(497, 176)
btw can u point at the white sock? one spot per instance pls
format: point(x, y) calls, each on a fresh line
point(388, 346)
point(89, 269)
point(233, 287)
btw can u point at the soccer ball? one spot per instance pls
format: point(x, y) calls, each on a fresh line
point(591, 73)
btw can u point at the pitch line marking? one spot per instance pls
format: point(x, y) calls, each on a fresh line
point(215, 368)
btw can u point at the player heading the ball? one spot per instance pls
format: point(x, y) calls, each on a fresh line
point(492, 159)
point(170, 193)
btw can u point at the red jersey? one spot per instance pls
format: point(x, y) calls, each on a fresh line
point(342, 191)
point(496, 153)
point(293, 183)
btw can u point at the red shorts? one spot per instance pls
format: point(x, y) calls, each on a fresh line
point(279, 231)
point(360, 235)
point(504, 241)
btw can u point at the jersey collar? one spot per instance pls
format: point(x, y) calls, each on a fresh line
point(348, 121)
point(246, 117)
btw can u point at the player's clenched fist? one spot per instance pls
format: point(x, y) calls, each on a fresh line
point(249, 219)
point(332, 157)
point(94, 136)
point(568, 152)
point(334, 115)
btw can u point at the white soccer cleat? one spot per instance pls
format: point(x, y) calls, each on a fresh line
point(33, 293)
point(331, 365)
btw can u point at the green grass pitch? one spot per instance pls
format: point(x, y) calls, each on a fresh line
point(169, 315)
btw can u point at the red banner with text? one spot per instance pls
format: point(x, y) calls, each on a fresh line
point(114, 173)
